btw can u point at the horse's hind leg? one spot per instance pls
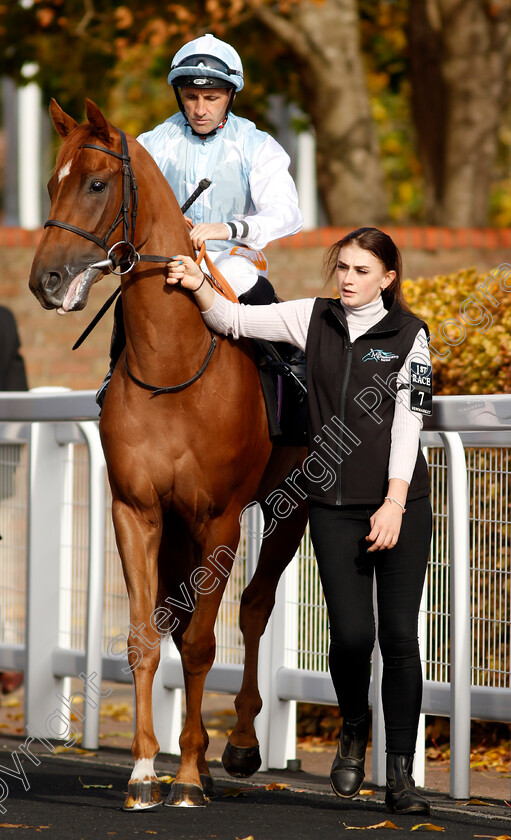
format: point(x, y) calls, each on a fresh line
point(241, 756)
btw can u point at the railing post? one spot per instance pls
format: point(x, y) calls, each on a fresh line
point(167, 704)
point(282, 713)
point(95, 584)
point(46, 714)
point(379, 768)
point(419, 764)
point(459, 555)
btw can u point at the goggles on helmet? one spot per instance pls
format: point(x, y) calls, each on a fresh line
point(208, 61)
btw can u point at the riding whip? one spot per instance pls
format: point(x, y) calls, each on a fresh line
point(203, 185)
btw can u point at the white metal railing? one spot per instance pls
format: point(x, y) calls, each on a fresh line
point(58, 551)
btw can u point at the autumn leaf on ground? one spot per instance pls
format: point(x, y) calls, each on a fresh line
point(495, 836)
point(314, 745)
point(366, 792)
point(86, 787)
point(73, 750)
point(232, 792)
point(427, 827)
point(479, 802)
point(119, 735)
point(117, 711)
point(275, 786)
point(166, 780)
point(385, 824)
point(23, 825)
point(250, 837)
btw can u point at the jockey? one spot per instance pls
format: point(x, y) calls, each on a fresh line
point(252, 199)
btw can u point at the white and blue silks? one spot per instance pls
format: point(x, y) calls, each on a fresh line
point(250, 182)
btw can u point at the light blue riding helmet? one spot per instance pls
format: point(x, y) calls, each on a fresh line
point(206, 62)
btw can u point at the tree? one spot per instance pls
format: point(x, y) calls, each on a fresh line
point(324, 38)
point(460, 51)
point(321, 37)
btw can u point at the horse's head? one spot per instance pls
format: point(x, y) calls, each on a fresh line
point(86, 192)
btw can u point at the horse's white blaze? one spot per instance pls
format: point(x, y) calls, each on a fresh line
point(64, 171)
point(143, 770)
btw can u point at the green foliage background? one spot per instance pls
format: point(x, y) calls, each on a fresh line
point(119, 55)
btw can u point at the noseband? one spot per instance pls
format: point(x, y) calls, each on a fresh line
point(112, 262)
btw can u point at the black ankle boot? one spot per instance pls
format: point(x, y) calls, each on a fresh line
point(347, 773)
point(401, 796)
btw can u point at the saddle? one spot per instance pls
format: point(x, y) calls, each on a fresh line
point(282, 373)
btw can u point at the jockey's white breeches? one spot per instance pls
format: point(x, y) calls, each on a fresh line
point(240, 266)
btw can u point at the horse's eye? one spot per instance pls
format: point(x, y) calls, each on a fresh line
point(97, 186)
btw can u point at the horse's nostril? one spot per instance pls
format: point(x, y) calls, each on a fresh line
point(52, 282)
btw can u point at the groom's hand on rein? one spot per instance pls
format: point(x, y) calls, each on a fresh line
point(183, 270)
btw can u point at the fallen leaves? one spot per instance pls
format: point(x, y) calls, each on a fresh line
point(493, 758)
point(73, 750)
point(87, 787)
point(166, 780)
point(389, 824)
point(314, 745)
point(495, 836)
point(23, 825)
point(384, 824)
point(11, 702)
point(474, 801)
point(234, 792)
point(117, 711)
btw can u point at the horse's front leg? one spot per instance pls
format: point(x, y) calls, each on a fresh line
point(198, 647)
point(138, 538)
point(241, 757)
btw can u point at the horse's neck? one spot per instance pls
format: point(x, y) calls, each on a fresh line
point(164, 327)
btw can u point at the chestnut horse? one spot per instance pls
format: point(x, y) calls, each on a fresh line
point(182, 462)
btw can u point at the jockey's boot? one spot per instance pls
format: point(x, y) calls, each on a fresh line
point(260, 294)
point(401, 795)
point(347, 773)
point(117, 345)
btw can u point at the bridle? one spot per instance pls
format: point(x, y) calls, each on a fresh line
point(129, 202)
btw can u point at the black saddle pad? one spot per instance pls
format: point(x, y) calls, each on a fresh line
point(282, 373)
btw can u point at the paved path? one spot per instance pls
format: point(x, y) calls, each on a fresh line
point(62, 802)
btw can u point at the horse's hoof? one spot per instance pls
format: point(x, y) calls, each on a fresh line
point(186, 796)
point(142, 796)
point(241, 762)
point(208, 785)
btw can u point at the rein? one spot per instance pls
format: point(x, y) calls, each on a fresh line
point(113, 261)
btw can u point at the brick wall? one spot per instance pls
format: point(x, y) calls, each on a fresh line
point(295, 270)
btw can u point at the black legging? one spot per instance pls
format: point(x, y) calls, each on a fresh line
point(346, 570)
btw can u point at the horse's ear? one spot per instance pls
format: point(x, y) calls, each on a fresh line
point(62, 121)
point(97, 120)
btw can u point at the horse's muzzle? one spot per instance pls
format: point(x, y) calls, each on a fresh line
point(66, 290)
